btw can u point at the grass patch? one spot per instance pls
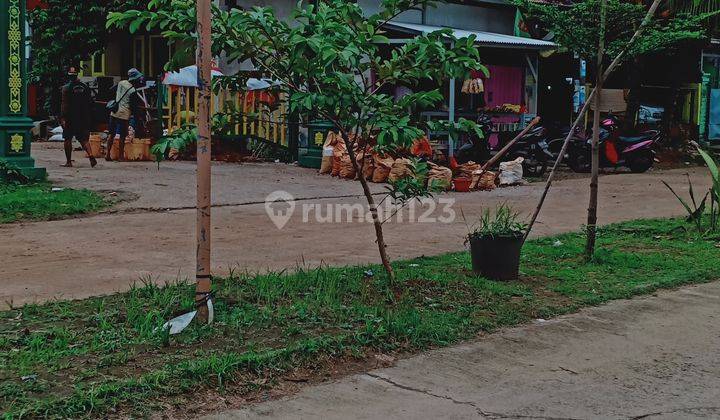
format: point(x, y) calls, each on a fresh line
point(104, 357)
point(39, 202)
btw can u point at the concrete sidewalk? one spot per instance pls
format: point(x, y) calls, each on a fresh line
point(652, 358)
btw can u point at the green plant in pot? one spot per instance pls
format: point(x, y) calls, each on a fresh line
point(495, 243)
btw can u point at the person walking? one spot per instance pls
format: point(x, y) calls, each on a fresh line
point(75, 116)
point(120, 115)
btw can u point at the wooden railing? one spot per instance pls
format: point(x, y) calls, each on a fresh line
point(255, 114)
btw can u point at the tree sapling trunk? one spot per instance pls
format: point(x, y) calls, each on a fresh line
point(377, 223)
point(592, 208)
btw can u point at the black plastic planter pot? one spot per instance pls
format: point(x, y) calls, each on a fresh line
point(497, 258)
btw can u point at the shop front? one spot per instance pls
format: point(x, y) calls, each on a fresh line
point(508, 94)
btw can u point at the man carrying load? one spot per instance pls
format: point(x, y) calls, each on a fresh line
point(75, 116)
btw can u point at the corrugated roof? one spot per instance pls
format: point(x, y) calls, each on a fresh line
point(489, 39)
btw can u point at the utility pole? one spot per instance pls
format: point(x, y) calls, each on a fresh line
point(595, 168)
point(203, 61)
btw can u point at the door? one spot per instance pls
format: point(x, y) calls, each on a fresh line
point(714, 116)
point(505, 86)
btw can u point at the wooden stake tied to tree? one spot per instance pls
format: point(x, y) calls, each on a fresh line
point(203, 249)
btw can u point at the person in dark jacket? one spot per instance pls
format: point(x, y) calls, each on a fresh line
point(75, 116)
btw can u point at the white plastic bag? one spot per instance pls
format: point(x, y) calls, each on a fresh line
point(511, 173)
point(57, 130)
point(56, 137)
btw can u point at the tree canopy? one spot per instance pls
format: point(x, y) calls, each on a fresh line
point(66, 33)
point(575, 27)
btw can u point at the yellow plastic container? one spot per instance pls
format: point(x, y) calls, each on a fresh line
point(137, 149)
point(97, 148)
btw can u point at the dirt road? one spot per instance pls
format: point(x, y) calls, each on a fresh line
point(648, 358)
point(153, 235)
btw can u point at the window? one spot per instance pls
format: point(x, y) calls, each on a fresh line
point(97, 62)
point(94, 67)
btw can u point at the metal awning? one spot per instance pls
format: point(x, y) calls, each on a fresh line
point(487, 39)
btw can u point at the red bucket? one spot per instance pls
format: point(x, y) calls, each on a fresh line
point(462, 184)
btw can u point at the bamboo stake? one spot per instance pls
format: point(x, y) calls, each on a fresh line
point(646, 20)
point(593, 205)
point(245, 109)
point(187, 104)
point(254, 121)
point(267, 126)
point(202, 273)
point(178, 98)
point(170, 109)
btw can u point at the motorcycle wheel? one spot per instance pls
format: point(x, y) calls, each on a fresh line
point(641, 163)
point(555, 146)
point(579, 162)
point(534, 167)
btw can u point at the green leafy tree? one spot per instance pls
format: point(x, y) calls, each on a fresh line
point(576, 30)
point(335, 61)
point(576, 27)
point(64, 34)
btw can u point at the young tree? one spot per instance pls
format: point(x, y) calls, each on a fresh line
point(334, 61)
point(594, 36)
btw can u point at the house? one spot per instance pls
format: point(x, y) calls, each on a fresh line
point(511, 92)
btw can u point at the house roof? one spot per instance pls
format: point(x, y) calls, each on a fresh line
point(488, 39)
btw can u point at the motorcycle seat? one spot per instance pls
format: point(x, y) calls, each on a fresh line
point(635, 139)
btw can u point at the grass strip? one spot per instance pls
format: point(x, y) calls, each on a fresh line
point(106, 357)
point(38, 202)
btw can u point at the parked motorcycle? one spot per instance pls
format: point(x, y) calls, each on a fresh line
point(476, 149)
point(532, 147)
point(616, 150)
point(558, 139)
point(534, 150)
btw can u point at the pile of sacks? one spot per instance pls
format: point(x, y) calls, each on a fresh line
point(479, 179)
point(376, 167)
point(381, 168)
point(510, 173)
